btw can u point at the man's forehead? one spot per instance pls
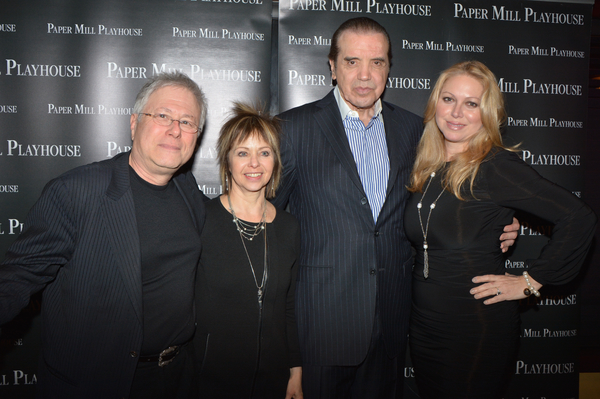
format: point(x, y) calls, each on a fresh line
point(163, 96)
point(171, 91)
point(353, 40)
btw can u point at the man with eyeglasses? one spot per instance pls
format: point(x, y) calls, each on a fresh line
point(115, 245)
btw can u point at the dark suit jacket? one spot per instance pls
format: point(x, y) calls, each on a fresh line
point(347, 262)
point(81, 243)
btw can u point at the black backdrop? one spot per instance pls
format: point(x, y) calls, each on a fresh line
point(69, 72)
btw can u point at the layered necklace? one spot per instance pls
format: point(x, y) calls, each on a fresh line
point(425, 229)
point(248, 231)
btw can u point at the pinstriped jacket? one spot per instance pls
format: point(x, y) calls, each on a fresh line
point(347, 261)
point(81, 244)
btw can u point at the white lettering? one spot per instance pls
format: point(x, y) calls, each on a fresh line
point(115, 71)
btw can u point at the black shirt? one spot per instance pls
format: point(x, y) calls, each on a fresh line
point(170, 250)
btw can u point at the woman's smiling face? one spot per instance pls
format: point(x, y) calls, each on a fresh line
point(458, 113)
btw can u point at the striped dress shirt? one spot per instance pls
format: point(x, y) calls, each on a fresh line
point(369, 148)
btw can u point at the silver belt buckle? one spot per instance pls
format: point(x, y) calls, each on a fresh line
point(166, 352)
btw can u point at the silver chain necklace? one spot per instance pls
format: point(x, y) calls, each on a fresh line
point(426, 229)
point(260, 227)
point(249, 230)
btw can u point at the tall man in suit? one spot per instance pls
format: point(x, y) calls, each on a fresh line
point(347, 159)
point(115, 245)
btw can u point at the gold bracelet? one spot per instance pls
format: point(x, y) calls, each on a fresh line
point(529, 290)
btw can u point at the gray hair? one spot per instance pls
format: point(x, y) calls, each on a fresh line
point(164, 79)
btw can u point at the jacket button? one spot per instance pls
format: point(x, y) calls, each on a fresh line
point(372, 272)
point(363, 201)
point(377, 233)
point(133, 354)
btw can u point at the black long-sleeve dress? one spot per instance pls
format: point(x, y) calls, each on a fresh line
point(244, 353)
point(460, 347)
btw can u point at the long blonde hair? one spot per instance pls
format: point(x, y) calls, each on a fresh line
point(431, 153)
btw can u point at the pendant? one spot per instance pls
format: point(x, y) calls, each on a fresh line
point(260, 298)
point(425, 263)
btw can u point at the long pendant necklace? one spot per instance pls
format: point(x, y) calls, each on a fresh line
point(248, 231)
point(426, 229)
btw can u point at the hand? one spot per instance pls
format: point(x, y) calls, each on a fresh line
point(294, 387)
point(507, 287)
point(511, 232)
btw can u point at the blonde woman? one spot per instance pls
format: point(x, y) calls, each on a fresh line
point(465, 187)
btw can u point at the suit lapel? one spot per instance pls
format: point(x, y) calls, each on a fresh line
point(396, 139)
point(390, 122)
point(329, 120)
point(122, 232)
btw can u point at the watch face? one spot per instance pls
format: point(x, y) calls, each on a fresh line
point(527, 291)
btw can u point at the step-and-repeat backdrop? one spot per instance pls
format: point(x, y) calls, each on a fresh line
point(70, 70)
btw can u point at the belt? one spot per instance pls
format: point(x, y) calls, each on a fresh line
point(165, 357)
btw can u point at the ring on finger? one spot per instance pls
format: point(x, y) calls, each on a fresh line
point(498, 292)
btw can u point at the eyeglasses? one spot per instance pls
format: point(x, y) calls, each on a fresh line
point(185, 125)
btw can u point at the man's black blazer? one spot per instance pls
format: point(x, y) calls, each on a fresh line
point(81, 243)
